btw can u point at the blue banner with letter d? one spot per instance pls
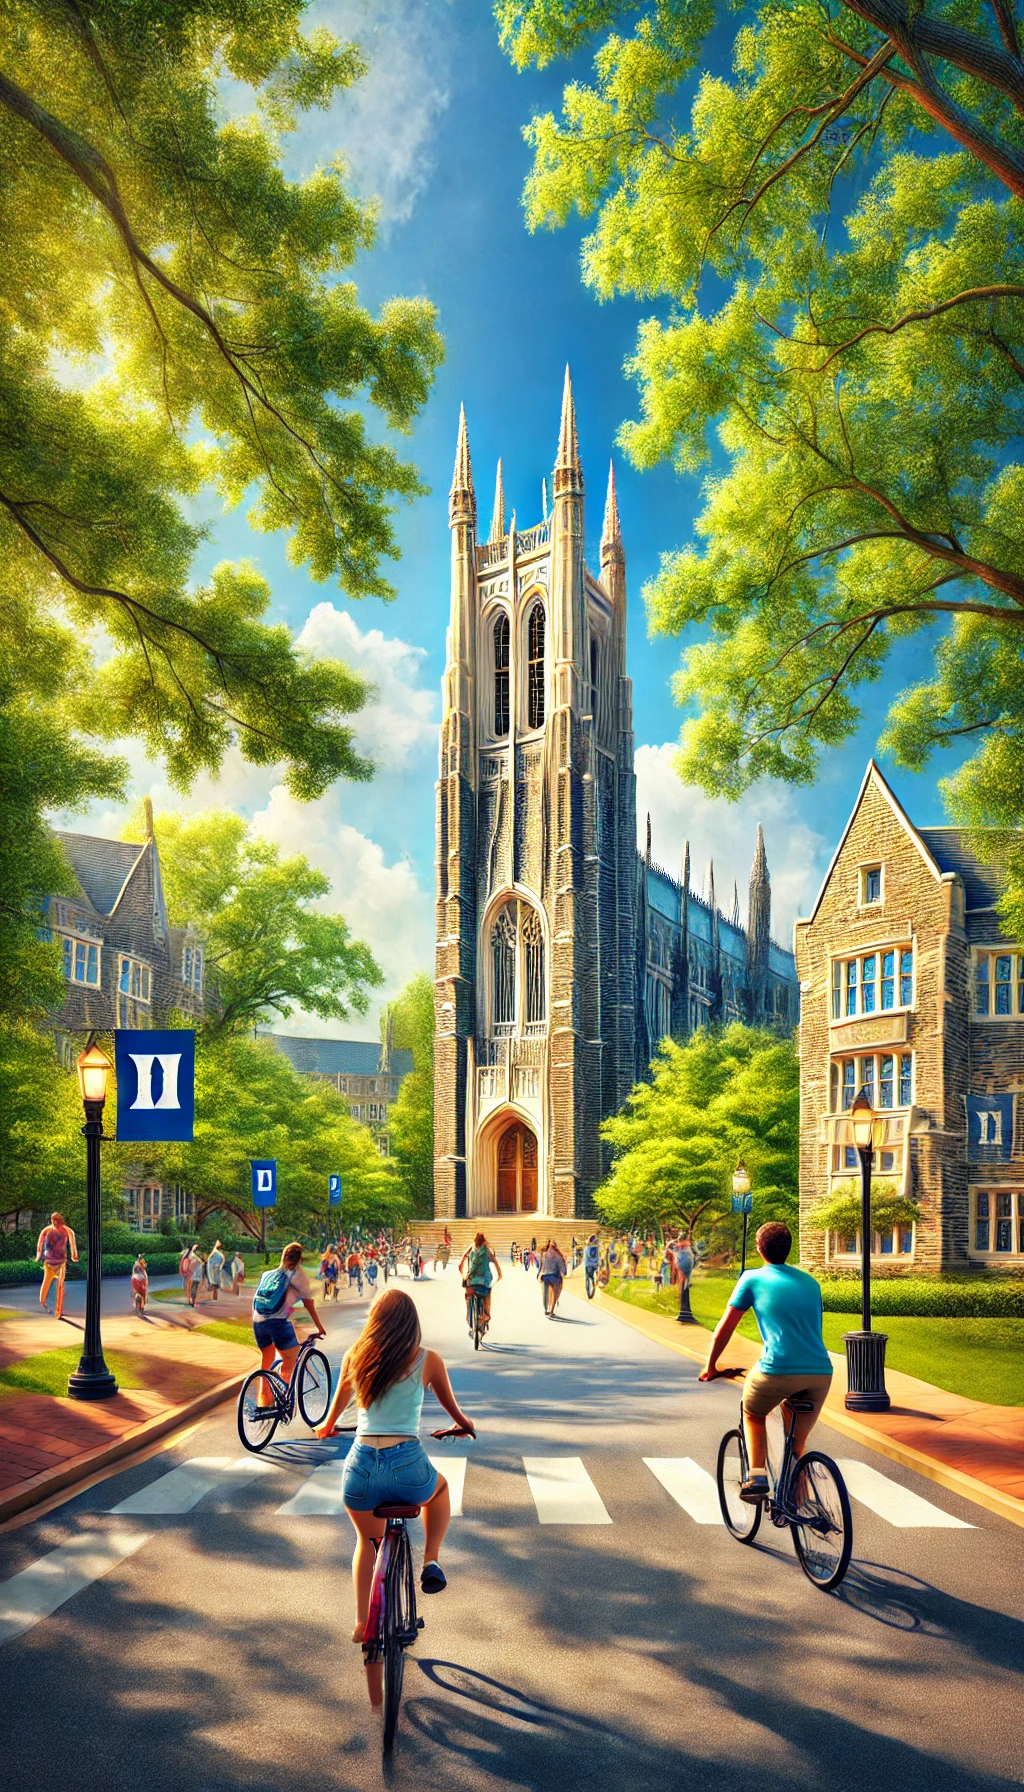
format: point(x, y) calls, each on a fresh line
point(264, 1181)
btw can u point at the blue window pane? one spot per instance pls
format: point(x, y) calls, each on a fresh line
point(888, 992)
point(981, 996)
point(1004, 1235)
point(906, 1079)
point(867, 1073)
point(849, 1082)
point(92, 974)
point(868, 985)
point(68, 958)
point(885, 1243)
point(906, 1240)
point(885, 1084)
point(1004, 969)
point(983, 1207)
point(79, 962)
point(981, 1235)
point(873, 886)
point(888, 963)
point(1003, 1005)
point(906, 979)
point(850, 1157)
point(122, 983)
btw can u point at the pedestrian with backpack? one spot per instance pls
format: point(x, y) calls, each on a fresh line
point(475, 1269)
point(277, 1292)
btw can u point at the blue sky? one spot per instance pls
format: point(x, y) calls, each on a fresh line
point(434, 132)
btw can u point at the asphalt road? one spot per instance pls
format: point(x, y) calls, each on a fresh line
point(646, 1650)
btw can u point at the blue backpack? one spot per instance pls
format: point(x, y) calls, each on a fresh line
point(271, 1289)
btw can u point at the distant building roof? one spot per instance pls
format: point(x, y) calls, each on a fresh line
point(952, 851)
point(102, 867)
point(337, 1057)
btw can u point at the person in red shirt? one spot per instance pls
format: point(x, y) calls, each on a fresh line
point(55, 1240)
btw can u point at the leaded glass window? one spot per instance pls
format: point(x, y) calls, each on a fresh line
point(535, 668)
point(503, 950)
point(501, 651)
point(533, 967)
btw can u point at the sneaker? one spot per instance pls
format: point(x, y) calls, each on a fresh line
point(433, 1579)
point(754, 1489)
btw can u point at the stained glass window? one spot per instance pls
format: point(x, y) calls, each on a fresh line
point(503, 948)
point(535, 668)
point(501, 640)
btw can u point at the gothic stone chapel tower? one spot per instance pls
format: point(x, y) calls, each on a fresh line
point(536, 854)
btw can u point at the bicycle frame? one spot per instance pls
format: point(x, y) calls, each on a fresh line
point(287, 1405)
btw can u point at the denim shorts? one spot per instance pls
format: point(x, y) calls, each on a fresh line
point(399, 1476)
point(278, 1332)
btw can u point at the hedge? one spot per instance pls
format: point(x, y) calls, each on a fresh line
point(163, 1263)
point(921, 1298)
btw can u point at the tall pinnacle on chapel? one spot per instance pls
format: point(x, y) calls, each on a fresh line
point(759, 924)
point(498, 515)
point(611, 531)
point(462, 498)
point(568, 472)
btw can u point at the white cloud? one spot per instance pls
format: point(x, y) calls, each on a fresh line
point(382, 126)
point(382, 903)
point(726, 832)
point(398, 724)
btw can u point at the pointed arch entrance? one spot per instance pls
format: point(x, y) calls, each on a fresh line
point(516, 1169)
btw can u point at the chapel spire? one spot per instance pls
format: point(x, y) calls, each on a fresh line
point(462, 498)
point(498, 516)
point(611, 533)
point(568, 472)
point(759, 931)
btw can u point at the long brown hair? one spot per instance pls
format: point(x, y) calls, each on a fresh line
point(381, 1354)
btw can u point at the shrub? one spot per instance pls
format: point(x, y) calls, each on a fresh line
point(922, 1298)
point(159, 1263)
point(841, 1211)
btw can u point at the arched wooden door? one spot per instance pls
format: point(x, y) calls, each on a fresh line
point(517, 1170)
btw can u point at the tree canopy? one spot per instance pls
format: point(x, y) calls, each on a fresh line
point(268, 948)
point(411, 1117)
point(834, 226)
point(178, 321)
point(728, 1094)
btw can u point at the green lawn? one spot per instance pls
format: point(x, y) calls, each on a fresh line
point(10, 1313)
point(982, 1358)
point(48, 1372)
point(233, 1331)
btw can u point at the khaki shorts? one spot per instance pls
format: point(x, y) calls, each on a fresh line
point(763, 1393)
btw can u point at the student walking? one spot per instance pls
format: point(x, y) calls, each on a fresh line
point(140, 1283)
point(215, 1268)
point(52, 1247)
point(197, 1274)
point(237, 1271)
point(183, 1267)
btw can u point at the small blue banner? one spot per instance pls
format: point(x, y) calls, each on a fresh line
point(264, 1181)
point(743, 1203)
point(156, 1083)
point(989, 1128)
point(334, 1191)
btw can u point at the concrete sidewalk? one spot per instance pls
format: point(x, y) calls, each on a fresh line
point(974, 1449)
point(48, 1443)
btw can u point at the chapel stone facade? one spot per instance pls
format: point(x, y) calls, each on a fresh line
point(563, 957)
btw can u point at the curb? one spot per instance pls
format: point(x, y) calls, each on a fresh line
point(54, 1480)
point(954, 1480)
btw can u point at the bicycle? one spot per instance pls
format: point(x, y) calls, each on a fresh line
point(476, 1315)
point(309, 1389)
point(392, 1625)
point(590, 1277)
point(358, 1279)
point(808, 1494)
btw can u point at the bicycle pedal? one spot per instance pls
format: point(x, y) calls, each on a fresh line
point(420, 1623)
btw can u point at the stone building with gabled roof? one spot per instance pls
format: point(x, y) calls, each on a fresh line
point(910, 989)
point(367, 1073)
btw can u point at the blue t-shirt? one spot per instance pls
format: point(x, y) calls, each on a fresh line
point(787, 1307)
point(591, 1254)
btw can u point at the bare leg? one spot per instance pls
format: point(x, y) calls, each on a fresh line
point(756, 1431)
point(367, 1528)
point(437, 1515)
point(60, 1294)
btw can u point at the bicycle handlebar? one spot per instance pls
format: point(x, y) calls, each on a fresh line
point(453, 1431)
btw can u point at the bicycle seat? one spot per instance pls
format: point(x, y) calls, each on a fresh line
point(396, 1511)
point(798, 1403)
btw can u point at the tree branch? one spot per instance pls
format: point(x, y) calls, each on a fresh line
point(974, 295)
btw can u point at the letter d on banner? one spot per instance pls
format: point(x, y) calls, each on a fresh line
point(264, 1181)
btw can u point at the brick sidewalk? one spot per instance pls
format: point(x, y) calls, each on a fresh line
point(42, 1436)
point(946, 1436)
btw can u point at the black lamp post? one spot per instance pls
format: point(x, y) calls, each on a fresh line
point(741, 1188)
point(92, 1379)
point(865, 1350)
point(684, 1315)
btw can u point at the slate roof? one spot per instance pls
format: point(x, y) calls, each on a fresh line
point(101, 866)
point(337, 1057)
point(951, 850)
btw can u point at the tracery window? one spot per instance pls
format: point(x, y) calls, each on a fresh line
point(535, 668)
point(533, 967)
point(501, 669)
point(518, 983)
point(503, 952)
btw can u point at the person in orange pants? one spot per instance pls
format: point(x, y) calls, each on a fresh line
point(55, 1240)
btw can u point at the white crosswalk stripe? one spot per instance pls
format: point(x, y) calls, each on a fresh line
point(40, 1589)
point(896, 1504)
point(453, 1468)
point(182, 1488)
point(690, 1486)
point(563, 1492)
point(319, 1496)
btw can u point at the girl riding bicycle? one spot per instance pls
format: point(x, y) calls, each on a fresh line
point(389, 1371)
point(475, 1269)
point(273, 1331)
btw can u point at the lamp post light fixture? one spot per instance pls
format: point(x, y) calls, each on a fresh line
point(92, 1379)
point(741, 1187)
point(865, 1350)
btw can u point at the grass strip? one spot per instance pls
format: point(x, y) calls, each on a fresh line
point(231, 1331)
point(982, 1359)
point(48, 1371)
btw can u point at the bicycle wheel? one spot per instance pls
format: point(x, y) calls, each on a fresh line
point(823, 1530)
point(257, 1420)
point(478, 1321)
point(743, 1521)
point(591, 1284)
point(399, 1632)
point(314, 1390)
